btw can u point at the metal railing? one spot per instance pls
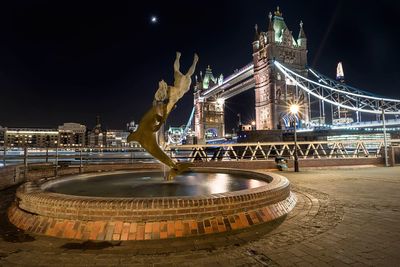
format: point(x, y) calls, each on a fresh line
point(191, 153)
point(72, 156)
point(271, 150)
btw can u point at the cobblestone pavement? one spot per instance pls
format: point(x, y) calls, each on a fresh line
point(344, 217)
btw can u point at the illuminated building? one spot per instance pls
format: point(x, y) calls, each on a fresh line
point(97, 136)
point(72, 134)
point(2, 130)
point(117, 138)
point(341, 115)
point(273, 92)
point(31, 137)
point(209, 114)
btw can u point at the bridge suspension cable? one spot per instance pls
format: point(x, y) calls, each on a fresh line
point(341, 95)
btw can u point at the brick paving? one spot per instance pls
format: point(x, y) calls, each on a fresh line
point(344, 217)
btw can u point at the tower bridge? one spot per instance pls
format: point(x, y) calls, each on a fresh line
point(279, 76)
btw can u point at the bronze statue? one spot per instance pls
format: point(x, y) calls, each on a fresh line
point(164, 101)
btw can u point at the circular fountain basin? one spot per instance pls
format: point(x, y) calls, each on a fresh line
point(140, 205)
point(151, 184)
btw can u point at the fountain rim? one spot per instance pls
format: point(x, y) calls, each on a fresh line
point(274, 181)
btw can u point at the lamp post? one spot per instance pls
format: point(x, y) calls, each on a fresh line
point(294, 109)
point(253, 125)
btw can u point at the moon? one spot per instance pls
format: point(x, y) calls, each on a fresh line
point(153, 19)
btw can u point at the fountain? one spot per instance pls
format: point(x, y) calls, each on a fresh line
point(146, 204)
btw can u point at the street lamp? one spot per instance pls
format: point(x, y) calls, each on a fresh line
point(294, 109)
point(253, 125)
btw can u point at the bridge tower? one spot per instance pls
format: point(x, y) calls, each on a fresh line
point(272, 92)
point(209, 112)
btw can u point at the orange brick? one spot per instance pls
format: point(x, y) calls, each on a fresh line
point(243, 219)
point(125, 231)
point(163, 235)
point(101, 233)
point(133, 228)
point(148, 230)
point(140, 231)
point(238, 222)
point(132, 236)
point(156, 227)
point(179, 233)
point(267, 214)
point(69, 232)
point(171, 228)
point(118, 227)
point(186, 228)
point(163, 226)
point(61, 228)
point(253, 216)
point(148, 227)
point(178, 225)
point(221, 228)
point(109, 230)
point(193, 225)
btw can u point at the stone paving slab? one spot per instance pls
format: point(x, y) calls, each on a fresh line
point(344, 217)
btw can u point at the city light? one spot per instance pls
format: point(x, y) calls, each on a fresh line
point(294, 109)
point(220, 101)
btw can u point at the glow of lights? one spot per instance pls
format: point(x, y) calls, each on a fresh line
point(219, 184)
point(294, 109)
point(220, 101)
point(153, 19)
point(228, 79)
point(253, 123)
point(286, 72)
point(255, 183)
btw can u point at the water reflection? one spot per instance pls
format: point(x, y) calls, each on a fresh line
point(219, 183)
point(153, 185)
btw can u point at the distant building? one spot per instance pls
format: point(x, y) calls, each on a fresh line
point(30, 137)
point(97, 136)
point(117, 138)
point(209, 114)
point(67, 135)
point(2, 130)
point(72, 135)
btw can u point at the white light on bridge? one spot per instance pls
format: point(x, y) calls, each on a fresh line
point(220, 101)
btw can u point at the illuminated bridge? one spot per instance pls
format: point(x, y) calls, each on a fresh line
point(280, 77)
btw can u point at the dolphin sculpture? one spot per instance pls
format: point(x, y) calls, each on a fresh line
point(164, 101)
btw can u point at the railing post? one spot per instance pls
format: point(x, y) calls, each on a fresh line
point(384, 139)
point(4, 155)
point(56, 163)
point(80, 160)
point(25, 162)
point(47, 154)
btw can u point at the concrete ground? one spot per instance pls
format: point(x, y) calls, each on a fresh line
point(344, 217)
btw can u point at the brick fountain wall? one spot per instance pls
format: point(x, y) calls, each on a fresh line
point(93, 218)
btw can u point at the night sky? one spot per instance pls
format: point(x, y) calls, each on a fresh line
point(66, 61)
